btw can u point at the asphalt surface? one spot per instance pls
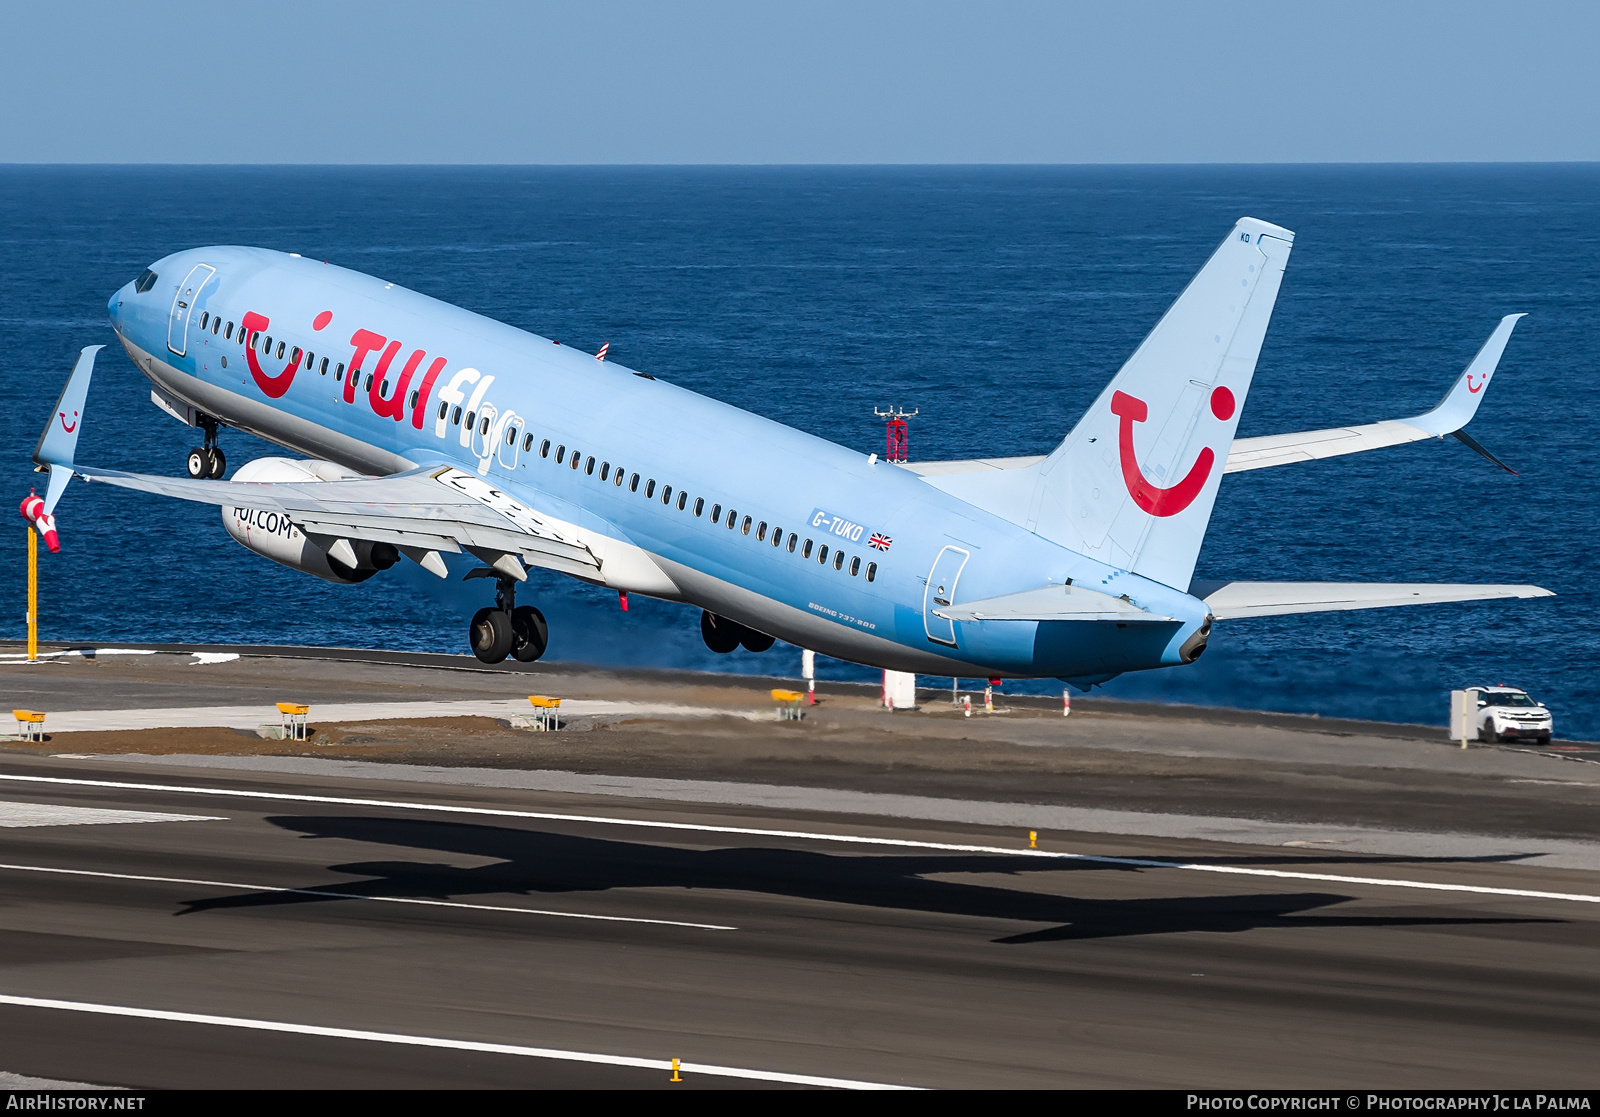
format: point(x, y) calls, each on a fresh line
point(839, 959)
point(486, 908)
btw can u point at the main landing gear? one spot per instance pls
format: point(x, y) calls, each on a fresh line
point(209, 461)
point(722, 635)
point(508, 629)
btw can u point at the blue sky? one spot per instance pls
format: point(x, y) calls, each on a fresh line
point(479, 81)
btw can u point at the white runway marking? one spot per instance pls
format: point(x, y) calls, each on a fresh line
point(663, 1065)
point(358, 896)
point(844, 839)
point(49, 814)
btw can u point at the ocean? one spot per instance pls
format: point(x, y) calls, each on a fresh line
point(995, 300)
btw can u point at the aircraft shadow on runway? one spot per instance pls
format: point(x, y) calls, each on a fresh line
point(534, 862)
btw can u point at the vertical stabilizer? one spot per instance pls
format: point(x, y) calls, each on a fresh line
point(1135, 481)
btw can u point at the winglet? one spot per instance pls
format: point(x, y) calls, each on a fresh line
point(1460, 403)
point(59, 442)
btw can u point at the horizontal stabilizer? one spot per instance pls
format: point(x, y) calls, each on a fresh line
point(1235, 600)
point(1051, 603)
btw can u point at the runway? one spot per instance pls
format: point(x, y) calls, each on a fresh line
point(223, 927)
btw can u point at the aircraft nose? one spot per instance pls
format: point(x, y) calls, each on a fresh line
point(114, 306)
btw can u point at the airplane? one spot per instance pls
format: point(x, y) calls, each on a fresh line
point(428, 430)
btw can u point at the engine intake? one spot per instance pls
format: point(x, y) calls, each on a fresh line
point(273, 535)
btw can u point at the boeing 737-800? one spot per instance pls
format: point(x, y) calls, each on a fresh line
point(429, 430)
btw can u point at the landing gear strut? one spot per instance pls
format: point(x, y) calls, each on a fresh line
point(208, 461)
point(508, 628)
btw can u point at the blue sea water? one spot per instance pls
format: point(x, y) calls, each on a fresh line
point(996, 300)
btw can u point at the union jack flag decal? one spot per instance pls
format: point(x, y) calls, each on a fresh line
point(880, 541)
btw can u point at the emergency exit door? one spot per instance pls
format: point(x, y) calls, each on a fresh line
point(941, 593)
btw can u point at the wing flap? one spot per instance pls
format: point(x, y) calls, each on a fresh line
point(1237, 600)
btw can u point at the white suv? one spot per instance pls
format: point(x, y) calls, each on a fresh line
point(1506, 713)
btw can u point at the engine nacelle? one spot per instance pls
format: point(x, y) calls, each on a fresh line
point(274, 536)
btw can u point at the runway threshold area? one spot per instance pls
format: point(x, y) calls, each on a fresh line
point(199, 934)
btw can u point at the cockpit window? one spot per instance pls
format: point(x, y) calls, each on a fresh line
point(146, 280)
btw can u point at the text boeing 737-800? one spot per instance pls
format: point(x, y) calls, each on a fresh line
point(429, 430)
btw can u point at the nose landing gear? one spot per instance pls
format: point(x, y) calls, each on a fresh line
point(209, 461)
point(508, 629)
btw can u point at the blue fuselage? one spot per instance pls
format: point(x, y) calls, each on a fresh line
point(740, 515)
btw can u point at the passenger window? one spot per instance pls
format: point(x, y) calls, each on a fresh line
point(280, 350)
point(633, 485)
point(777, 537)
point(588, 466)
point(793, 539)
point(216, 326)
point(311, 359)
point(805, 552)
point(683, 501)
point(527, 443)
point(699, 505)
point(745, 527)
point(483, 424)
point(544, 448)
point(605, 471)
point(577, 459)
point(716, 513)
point(413, 403)
point(205, 320)
point(761, 532)
point(650, 488)
point(511, 436)
point(338, 372)
point(294, 354)
point(228, 333)
point(325, 372)
point(855, 566)
point(472, 419)
point(666, 494)
point(733, 518)
point(618, 476)
point(822, 554)
point(561, 454)
point(266, 348)
point(872, 571)
point(455, 417)
point(444, 409)
point(368, 388)
point(838, 560)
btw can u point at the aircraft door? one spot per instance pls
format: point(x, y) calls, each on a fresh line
point(941, 591)
point(183, 307)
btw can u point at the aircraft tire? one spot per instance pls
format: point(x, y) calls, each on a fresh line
point(530, 634)
point(216, 464)
point(720, 634)
point(199, 463)
point(754, 641)
point(490, 634)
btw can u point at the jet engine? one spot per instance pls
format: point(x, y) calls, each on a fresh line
point(274, 536)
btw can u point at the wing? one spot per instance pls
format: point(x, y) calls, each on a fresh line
point(439, 508)
point(1455, 411)
point(1236, 600)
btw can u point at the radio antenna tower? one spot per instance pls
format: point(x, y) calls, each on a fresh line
point(895, 440)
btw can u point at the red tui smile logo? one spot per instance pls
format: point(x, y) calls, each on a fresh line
point(1479, 388)
point(1171, 501)
point(64, 426)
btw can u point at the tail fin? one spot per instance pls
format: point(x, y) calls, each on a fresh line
point(1135, 481)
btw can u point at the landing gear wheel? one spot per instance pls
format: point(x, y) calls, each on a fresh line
point(530, 634)
point(491, 635)
point(218, 464)
point(720, 634)
point(754, 641)
point(199, 463)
